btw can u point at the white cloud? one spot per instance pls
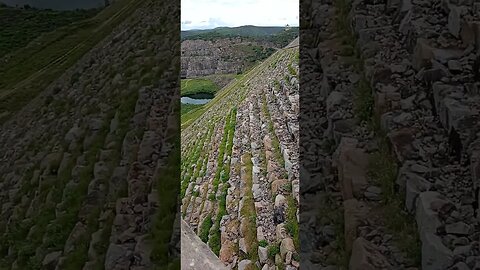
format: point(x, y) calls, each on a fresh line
point(206, 14)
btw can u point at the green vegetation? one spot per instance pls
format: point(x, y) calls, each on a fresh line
point(291, 221)
point(196, 157)
point(32, 68)
point(198, 86)
point(248, 210)
point(24, 241)
point(284, 38)
point(382, 166)
point(277, 35)
point(341, 20)
point(237, 87)
point(102, 246)
point(198, 143)
point(205, 228)
point(332, 214)
point(292, 70)
point(166, 183)
point(242, 31)
point(363, 102)
point(223, 170)
point(275, 143)
point(49, 230)
point(363, 99)
point(22, 25)
point(272, 251)
point(77, 258)
point(73, 196)
point(222, 173)
point(383, 171)
point(256, 53)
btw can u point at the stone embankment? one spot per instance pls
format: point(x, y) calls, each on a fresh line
point(80, 165)
point(394, 116)
point(240, 168)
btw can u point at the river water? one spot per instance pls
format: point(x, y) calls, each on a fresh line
point(189, 100)
point(198, 99)
point(57, 4)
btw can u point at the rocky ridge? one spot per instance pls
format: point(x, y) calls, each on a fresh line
point(418, 75)
point(240, 170)
point(81, 163)
point(219, 56)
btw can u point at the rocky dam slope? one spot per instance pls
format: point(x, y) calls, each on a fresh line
point(392, 109)
point(81, 163)
point(240, 167)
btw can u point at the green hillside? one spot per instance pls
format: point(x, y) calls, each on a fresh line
point(276, 34)
point(22, 25)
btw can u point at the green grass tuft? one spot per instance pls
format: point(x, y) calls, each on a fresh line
point(291, 224)
point(383, 171)
point(272, 251)
point(198, 86)
point(364, 103)
point(189, 108)
point(205, 228)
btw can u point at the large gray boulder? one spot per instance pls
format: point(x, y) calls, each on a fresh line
point(414, 186)
point(428, 205)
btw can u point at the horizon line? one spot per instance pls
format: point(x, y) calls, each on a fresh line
point(197, 29)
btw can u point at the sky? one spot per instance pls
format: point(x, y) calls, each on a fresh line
point(208, 14)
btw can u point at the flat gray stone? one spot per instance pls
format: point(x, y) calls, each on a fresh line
point(428, 203)
point(414, 186)
point(459, 228)
point(195, 253)
point(435, 255)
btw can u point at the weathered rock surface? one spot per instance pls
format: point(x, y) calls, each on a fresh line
point(80, 164)
point(220, 56)
point(420, 63)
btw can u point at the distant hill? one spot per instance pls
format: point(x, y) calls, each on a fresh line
point(281, 36)
point(19, 26)
point(243, 31)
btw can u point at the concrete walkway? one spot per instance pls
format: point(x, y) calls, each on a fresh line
point(196, 254)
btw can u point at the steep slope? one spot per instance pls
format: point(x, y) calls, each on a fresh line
point(81, 162)
point(25, 72)
point(396, 132)
point(20, 26)
point(239, 167)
